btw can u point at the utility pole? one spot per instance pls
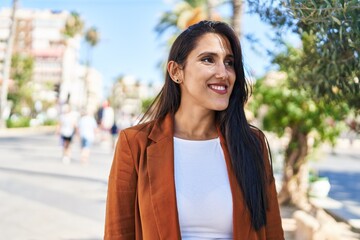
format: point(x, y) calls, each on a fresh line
point(7, 65)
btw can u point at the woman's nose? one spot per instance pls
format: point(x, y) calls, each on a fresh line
point(221, 71)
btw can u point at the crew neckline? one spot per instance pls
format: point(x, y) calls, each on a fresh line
point(200, 140)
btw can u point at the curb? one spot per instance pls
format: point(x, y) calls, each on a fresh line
point(71, 175)
point(15, 132)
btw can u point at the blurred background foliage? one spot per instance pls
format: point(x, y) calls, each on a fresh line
point(21, 90)
point(330, 37)
point(317, 86)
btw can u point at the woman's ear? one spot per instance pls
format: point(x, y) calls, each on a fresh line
point(175, 71)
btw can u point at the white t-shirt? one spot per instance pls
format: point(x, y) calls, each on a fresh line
point(67, 124)
point(107, 118)
point(203, 194)
point(87, 127)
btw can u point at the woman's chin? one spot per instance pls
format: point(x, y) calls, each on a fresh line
point(220, 107)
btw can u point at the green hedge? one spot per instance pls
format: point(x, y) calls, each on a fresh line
point(18, 123)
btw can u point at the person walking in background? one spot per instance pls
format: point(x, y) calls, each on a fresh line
point(114, 134)
point(87, 128)
point(194, 168)
point(107, 120)
point(66, 129)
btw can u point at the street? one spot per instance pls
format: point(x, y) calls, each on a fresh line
point(42, 198)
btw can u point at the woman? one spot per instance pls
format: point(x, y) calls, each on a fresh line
point(196, 170)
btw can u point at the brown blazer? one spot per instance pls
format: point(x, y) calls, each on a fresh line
point(141, 200)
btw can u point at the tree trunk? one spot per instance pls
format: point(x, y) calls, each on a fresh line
point(295, 172)
point(237, 6)
point(210, 6)
point(7, 65)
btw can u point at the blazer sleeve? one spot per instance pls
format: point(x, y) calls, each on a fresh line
point(120, 205)
point(273, 228)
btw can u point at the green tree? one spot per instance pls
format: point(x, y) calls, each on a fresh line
point(335, 29)
point(92, 38)
point(186, 13)
point(118, 93)
point(21, 92)
point(293, 110)
point(74, 25)
point(145, 104)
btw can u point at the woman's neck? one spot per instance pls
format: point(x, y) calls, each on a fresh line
point(195, 125)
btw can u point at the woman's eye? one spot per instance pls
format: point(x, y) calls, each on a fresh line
point(207, 60)
point(229, 63)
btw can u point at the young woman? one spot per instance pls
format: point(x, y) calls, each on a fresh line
point(196, 169)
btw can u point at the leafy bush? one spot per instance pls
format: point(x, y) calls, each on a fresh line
point(18, 122)
point(50, 122)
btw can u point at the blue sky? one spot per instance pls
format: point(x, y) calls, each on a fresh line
point(129, 45)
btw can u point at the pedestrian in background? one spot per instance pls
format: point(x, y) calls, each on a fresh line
point(66, 129)
point(196, 169)
point(107, 120)
point(87, 128)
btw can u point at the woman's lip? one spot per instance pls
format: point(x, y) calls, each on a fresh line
point(218, 88)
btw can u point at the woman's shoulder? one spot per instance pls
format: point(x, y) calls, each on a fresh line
point(255, 130)
point(138, 130)
point(261, 137)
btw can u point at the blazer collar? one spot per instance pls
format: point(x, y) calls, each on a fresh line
point(163, 128)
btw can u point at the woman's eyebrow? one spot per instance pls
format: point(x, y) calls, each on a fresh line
point(214, 54)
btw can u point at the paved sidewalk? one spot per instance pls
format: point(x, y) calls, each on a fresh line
point(288, 222)
point(44, 199)
point(15, 132)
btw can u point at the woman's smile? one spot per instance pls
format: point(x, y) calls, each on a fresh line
point(220, 89)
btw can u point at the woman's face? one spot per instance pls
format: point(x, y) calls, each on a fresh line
point(208, 77)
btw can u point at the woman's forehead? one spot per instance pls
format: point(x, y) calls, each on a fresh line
point(211, 42)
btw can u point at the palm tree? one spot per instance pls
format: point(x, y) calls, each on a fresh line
point(237, 12)
point(73, 25)
point(72, 30)
point(7, 66)
point(186, 13)
point(92, 38)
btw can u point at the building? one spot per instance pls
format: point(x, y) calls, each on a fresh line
point(128, 94)
point(39, 33)
point(85, 90)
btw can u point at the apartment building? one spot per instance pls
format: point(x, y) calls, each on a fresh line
point(56, 58)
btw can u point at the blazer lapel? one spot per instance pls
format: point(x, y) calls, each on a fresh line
point(240, 222)
point(160, 164)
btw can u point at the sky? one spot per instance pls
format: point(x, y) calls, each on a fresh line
point(129, 44)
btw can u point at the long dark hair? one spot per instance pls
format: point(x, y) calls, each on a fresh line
point(243, 144)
